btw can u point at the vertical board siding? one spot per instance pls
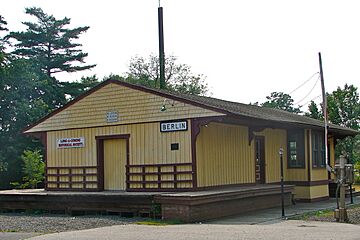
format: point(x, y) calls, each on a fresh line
point(302, 192)
point(147, 145)
point(133, 106)
point(223, 155)
point(274, 140)
point(319, 191)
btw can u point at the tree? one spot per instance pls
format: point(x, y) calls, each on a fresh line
point(3, 41)
point(74, 89)
point(27, 93)
point(178, 77)
point(21, 103)
point(314, 112)
point(282, 101)
point(50, 43)
point(343, 109)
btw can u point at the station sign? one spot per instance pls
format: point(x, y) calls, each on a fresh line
point(173, 126)
point(71, 142)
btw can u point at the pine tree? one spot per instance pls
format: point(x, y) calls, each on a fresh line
point(50, 44)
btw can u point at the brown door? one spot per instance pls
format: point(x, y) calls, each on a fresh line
point(260, 160)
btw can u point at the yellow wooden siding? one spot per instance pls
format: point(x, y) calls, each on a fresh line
point(274, 140)
point(332, 154)
point(114, 164)
point(223, 155)
point(133, 106)
point(311, 192)
point(332, 151)
point(319, 191)
point(302, 192)
point(147, 145)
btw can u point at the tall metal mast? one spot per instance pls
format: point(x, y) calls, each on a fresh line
point(161, 47)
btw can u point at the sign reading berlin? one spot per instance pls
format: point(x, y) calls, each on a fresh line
point(71, 142)
point(172, 126)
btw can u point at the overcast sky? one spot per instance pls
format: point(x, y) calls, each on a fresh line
point(247, 49)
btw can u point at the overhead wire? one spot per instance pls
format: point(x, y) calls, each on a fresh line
point(303, 83)
point(310, 100)
point(308, 92)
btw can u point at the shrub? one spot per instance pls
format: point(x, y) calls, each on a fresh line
point(33, 170)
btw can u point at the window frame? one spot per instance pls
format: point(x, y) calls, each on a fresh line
point(318, 150)
point(297, 136)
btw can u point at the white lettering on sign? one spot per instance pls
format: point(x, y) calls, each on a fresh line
point(173, 126)
point(112, 117)
point(71, 142)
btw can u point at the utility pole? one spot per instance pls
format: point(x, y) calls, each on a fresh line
point(161, 47)
point(327, 162)
point(342, 177)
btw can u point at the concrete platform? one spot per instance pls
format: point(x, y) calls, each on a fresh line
point(273, 215)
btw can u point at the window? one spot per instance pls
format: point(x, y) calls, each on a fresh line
point(318, 149)
point(174, 146)
point(296, 151)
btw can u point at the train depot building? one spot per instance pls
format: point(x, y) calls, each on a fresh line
point(189, 153)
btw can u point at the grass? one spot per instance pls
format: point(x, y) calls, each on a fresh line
point(319, 213)
point(152, 222)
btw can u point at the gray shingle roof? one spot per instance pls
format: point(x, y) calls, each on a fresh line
point(227, 107)
point(262, 113)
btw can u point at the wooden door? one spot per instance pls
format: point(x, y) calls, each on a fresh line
point(114, 164)
point(260, 160)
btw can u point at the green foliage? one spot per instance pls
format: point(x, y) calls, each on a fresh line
point(314, 112)
point(3, 41)
point(282, 101)
point(27, 92)
point(33, 169)
point(50, 43)
point(178, 77)
point(74, 89)
point(21, 103)
point(357, 172)
point(344, 107)
point(344, 110)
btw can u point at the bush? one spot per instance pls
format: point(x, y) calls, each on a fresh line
point(357, 172)
point(33, 170)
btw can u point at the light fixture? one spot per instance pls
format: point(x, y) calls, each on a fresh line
point(163, 107)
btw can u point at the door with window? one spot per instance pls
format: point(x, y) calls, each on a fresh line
point(260, 160)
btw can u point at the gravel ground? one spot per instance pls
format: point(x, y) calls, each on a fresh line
point(49, 223)
point(353, 215)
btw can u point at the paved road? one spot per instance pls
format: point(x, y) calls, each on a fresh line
point(16, 235)
point(288, 230)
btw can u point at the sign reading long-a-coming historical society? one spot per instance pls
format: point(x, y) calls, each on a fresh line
point(172, 126)
point(70, 142)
